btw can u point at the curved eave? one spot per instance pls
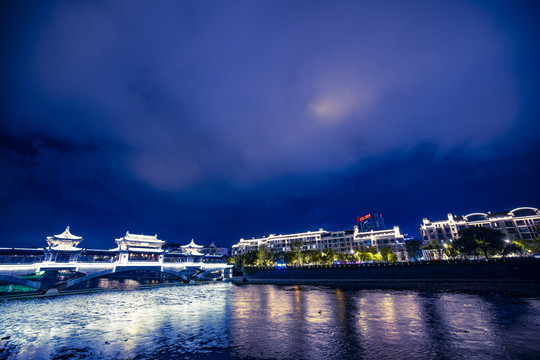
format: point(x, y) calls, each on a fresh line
point(176, 255)
point(68, 250)
point(100, 252)
point(143, 250)
point(153, 241)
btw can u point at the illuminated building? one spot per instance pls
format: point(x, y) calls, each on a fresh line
point(134, 247)
point(345, 241)
point(192, 249)
point(212, 249)
point(62, 265)
point(516, 224)
point(371, 222)
point(63, 247)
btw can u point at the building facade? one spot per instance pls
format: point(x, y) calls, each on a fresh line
point(345, 241)
point(371, 222)
point(520, 223)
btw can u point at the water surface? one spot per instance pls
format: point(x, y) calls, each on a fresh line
point(226, 321)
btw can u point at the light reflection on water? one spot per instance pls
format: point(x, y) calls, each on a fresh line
point(308, 322)
point(268, 322)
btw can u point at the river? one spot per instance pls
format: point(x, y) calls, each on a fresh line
point(225, 321)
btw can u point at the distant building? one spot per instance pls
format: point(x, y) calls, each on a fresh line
point(344, 241)
point(516, 224)
point(370, 222)
point(212, 249)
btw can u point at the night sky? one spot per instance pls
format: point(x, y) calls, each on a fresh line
point(230, 119)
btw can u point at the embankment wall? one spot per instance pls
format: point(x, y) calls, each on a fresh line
point(513, 274)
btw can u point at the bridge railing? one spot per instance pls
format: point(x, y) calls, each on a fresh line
point(18, 259)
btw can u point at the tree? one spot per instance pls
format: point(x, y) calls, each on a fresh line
point(511, 248)
point(341, 257)
point(328, 256)
point(392, 258)
point(372, 250)
point(310, 256)
point(296, 248)
point(451, 251)
point(264, 257)
point(385, 252)
point(363, 256)
point(531, 245)
point(413, 248)
point(433, 245)
point(316, 257)
point(377, 257)
point(281, 257)
point(367, 256)
point(476, 239)
point(241, 261)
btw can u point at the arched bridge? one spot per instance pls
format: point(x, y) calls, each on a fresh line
point(185, 271)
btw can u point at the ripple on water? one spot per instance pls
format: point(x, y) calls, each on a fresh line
point(223, 321)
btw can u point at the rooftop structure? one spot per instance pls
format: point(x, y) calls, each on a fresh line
point(520, 223)
point(140, 250)
point(136, 242)
point(192, 248)
point(135, 247)
point(213, 249)
point(371, 222)
point(66, 241)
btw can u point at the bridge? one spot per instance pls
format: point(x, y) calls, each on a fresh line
point(63, 266)
point(25, 275)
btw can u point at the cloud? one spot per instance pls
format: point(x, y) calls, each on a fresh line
point(310, 95)
point(139, 108)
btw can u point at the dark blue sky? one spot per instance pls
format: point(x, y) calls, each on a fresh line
point(221, 120)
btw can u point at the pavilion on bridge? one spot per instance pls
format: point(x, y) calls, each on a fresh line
point(63, 248)
point(192, 249)
point(135, 247)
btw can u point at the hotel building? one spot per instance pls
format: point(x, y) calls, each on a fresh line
point(371, 222)
point(517, 224)
point(345, 241)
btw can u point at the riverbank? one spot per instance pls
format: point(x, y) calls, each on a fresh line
point(517, 276)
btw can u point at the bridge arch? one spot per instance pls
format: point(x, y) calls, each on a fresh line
point(87, 277)
point(72, 282)
point(20, 281)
